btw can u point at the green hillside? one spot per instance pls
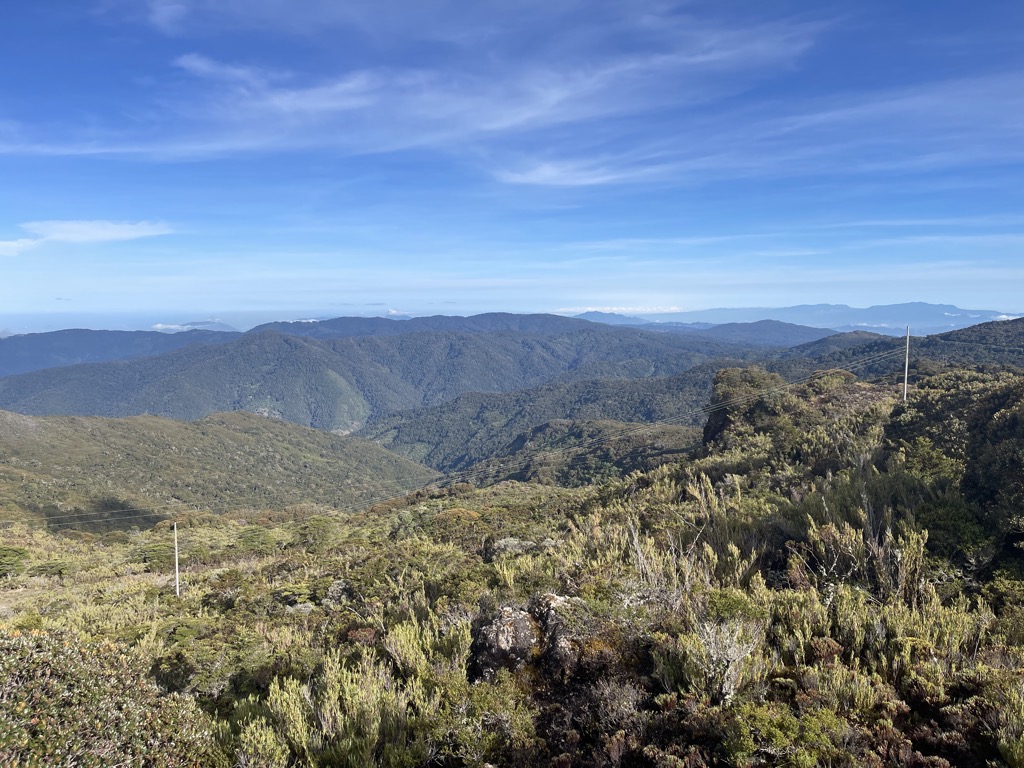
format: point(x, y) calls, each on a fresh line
point(138, 470)
point(758, 333)
point(455, 435)
point(579, 453)
point(832, 578)
point(270, 374)
point(998, 343)
point(337, 384)
point(489, 322)
point(35, 351)
point(769, 333)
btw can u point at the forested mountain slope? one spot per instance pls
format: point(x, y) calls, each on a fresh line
point(455, 435)
point(36, 351)
point(491, 322)
point(999, 343)
point(768, 333)
point(338, 383)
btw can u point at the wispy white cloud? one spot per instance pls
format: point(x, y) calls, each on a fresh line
point(937, 125)
point(203, 66)
point(168, 15)
point(395, 107)
point(95, 231)
point(14, 247)
point(499, 74)
point(562, 93)
point(81, 231)
point(995, 220)
point(579, 173)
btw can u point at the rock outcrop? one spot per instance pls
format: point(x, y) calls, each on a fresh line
point(512, 637)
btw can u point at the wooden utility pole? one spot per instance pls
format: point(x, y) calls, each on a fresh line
point(177, 584)
point(906, 367)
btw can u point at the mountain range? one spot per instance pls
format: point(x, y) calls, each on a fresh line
point(334, 380)
point(35, 351)
point(892, 319)
point(481, 395)
point(683, 552)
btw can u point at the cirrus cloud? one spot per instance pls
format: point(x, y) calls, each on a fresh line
point(81, 231)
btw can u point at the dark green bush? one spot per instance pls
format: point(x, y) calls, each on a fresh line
point(65, 703)
point(12, 560)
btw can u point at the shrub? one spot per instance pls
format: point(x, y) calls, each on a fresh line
point(716, 660)
point(63, 703)
point(12, 561)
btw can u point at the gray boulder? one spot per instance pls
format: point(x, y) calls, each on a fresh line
point(509, 640)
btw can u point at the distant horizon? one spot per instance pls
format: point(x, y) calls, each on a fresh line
point(176, 321)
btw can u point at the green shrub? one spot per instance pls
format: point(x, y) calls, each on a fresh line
point(52, 568)
point(12, 561)
point(63, 703)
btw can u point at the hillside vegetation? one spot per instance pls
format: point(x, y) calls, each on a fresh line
point(768, 333)
point(35, 351)
point(832, 578)
point(454, 392)
point(999, 344)
point(578, 453)
point(456, 435)
point(92, 473)
point(338, 383)
point(489, 322)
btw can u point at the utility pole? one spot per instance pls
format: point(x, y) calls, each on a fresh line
point(177, 584)
point(906, 367)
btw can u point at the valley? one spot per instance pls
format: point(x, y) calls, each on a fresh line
point(638, 549)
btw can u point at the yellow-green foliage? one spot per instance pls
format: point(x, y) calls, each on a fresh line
point(65, 703)
point(393, 711)
point(773, 601)
point(812, 739)
point(715, 661)
point(1011, 725)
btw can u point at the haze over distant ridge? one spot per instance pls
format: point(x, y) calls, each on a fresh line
point(922, 317)
point(885, 318)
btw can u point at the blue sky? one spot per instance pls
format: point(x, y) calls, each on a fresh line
point(185, 159)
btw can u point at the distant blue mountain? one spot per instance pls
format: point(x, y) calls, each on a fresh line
point(490, 322)
point(892, 319)
point(762, 333)
point(36, 351)
point(611, 318)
